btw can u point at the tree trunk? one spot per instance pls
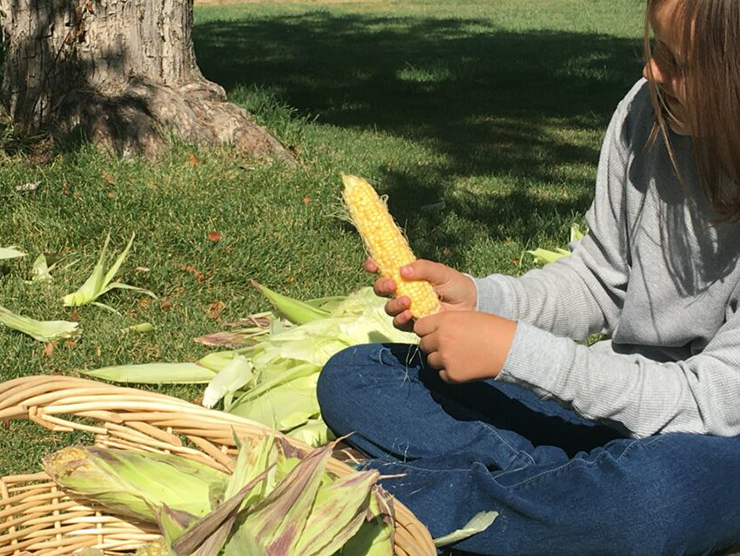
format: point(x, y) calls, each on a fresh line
point(123, 72)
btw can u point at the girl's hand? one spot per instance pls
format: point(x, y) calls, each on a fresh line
point(457, 291)
point(465, 345)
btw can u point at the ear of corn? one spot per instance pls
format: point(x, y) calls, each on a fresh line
point(386, 244)
point(135, 483)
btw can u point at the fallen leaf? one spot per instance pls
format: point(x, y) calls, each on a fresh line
point(306, 200)
point(107, 177)
point(74, 316)
point(112, 195)
point(193, 160)
point(214, 236)
point(144, 303)
point(71, 344)
point(164, 304)
point(195, 273)
point(49, 348)
point(446, 251)
point(214, 310)
point(290, 279)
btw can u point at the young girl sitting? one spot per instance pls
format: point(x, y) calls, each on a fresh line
point(626, 446)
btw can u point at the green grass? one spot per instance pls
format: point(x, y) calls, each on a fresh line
point(481, 121)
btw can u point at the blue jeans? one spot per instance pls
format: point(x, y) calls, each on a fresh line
point(561, 484)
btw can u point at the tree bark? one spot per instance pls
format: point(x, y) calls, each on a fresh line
point(123, 72)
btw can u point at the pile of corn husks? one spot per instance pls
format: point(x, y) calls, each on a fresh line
point(274, 503)
point(273, 379)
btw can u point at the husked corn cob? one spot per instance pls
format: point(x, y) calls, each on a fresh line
point(387, 245)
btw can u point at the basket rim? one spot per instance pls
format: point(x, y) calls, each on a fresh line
point(129, 418)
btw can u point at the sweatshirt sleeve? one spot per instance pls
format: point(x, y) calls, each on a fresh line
point(584, 292)
point(645, 397)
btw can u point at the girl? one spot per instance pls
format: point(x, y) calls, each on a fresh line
point(629, 445)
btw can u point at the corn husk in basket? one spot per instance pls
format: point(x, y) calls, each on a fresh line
point(36, 518)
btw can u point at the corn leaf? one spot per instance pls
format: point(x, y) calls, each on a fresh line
point(10, 253)
point(479, 522)
point(43, 331)
point(154, 373)
point(100, 281)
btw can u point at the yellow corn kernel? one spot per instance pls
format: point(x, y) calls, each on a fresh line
point(386, 244)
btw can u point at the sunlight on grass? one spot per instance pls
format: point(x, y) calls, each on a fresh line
point(480, 121)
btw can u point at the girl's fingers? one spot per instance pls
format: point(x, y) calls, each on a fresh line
point(397, 306)
point(370, 265)
point(384, 287)
point(435, 362)
point(404, 321)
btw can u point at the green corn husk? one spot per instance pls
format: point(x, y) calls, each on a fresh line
point(234, 376)
point(297, 312)
point(338, 513)
point(40, 271)
point(478, 523)
point(544, 256)
point(10, 253)
point(43, 331)
point(277, 521)
point(142, 328)
point(101, 282)
point(133, 483)
point(313, 432)
point(376, 535)
point(154, 373)
point(157, 548)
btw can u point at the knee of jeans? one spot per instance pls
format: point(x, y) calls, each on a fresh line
point(337, 378)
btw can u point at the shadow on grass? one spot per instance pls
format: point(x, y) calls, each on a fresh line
point(489, 102)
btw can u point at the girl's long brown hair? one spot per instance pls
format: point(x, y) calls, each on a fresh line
point(711, 39)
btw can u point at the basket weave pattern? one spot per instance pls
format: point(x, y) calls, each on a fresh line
point(37, 519)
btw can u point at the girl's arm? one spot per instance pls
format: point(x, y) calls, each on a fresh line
point(697, 395)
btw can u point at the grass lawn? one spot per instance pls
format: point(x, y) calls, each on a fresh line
point(481, 120)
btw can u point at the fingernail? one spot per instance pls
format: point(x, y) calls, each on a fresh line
point(406, 271)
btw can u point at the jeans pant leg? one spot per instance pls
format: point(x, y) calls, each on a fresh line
point(561, 484)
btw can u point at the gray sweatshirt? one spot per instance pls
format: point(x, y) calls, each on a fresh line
point(655, 275)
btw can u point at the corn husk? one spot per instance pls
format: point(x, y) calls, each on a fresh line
point(101, 282)
point(10, 253)
point(142, 328)
point(478, 523)
point(154, 373)
point(135, 484)
point(43, 331)
point(545, 256)
point(376, 535)
point(234, 376)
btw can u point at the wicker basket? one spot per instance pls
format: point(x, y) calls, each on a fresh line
point(37, 518)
